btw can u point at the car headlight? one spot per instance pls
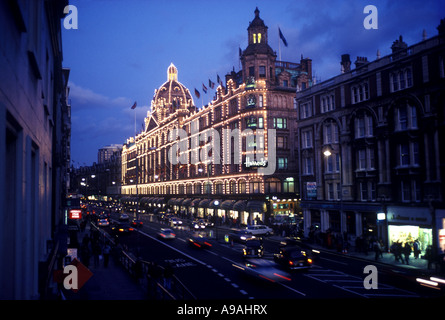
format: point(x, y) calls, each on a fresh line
point(243, 238)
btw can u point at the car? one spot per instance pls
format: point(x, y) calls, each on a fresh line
point(137, 223)
point(166, 233)
point(263, 269)
point(259, 230)
point(293, 258)
point(206, 222)
point(103, 222)
point(199, 240)
point(240, 236)
point(175, 222)
point(297, 241)
point(122, 228)
point(124, 217)
point(197, 225)
point(253, 248)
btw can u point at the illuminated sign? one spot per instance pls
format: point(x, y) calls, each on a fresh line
point(75, 214)
point(255, 163)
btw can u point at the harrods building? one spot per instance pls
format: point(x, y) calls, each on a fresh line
point(233, 158)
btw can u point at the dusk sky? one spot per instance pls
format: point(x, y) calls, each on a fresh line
point(121, 50)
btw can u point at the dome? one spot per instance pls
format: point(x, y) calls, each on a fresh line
point(172, 93)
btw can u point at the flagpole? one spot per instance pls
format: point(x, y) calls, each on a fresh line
point(279, 44)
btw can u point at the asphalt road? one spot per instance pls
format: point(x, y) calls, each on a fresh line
point(217, 273)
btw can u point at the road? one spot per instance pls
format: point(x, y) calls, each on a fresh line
point(215, 273)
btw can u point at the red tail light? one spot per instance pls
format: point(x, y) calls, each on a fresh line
point(197, 244)
point(291, 263)
point(131, 229)
point(206, 243)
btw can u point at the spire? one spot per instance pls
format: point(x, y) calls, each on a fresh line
point(172, 73)
point(257, 13)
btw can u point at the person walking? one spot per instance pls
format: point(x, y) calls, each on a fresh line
point(168, 275)
point(407, 252)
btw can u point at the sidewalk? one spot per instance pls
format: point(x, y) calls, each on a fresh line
point(110, 283)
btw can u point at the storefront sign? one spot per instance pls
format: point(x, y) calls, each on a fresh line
point(407, 215)
point(255, 163)
point(75, 214)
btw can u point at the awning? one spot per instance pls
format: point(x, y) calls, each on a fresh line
point(172, 201)
point(256, 205)
point(215, 204)
point(160, 201)
point(204, 203)
point(195, 202)
point(240, 205)
point(186, 202)
point(227, 204)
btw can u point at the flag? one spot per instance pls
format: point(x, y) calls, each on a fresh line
point(218, 79)
point(211, 84)
point(197, 94)
point(204, 88)
point(133, 106)
point(282, 37)
point(240, 52)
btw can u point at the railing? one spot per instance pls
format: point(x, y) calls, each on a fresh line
point(150, 277)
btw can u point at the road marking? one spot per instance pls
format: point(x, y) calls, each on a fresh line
point(227, 279)
point(243, 292)
point(292, 289)
point(173, 248)
point(234, 285)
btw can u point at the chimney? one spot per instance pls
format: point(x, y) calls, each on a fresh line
point(361, 61)
point(345, 63)
point(399, 48)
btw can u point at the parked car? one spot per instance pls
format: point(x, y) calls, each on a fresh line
point(175, 222)
point(197, 225)
point(124, 217)
point(259, 230)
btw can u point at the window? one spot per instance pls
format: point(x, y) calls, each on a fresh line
point(405, 117)
point(282, 142)
point(255, 186)
point(305, 110)
point(360, 92)
point(282, 163)
point(259, 37)
point(330, 191)
point(330, 134)
point(406, 190)
point(288, 185)
point(307, 166)
point(362, 159)
point(280, 123)
point(261, 122)
point(260, 100)
point(306, 139)
point(262, 72)
point(404, 154)
point(363, 191)
point(401, 79)
point(273, 185)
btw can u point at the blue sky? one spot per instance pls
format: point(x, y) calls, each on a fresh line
point(121, 50)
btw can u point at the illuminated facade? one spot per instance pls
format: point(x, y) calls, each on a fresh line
point(231, 164)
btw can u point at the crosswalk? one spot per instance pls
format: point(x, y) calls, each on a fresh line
point(354, 284)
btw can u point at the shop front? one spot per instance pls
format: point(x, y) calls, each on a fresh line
point(407, 225)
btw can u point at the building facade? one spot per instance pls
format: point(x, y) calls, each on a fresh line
point(106, 153)
point(371, 164)
point(234, 158)
point(34, 144)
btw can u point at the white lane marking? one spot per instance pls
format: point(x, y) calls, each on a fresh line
point(292, 289)
point(173, 248)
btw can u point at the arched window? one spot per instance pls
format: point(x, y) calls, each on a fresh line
point(259, 37)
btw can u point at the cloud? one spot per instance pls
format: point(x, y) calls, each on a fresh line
point(87, 97)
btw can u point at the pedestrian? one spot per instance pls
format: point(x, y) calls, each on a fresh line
point(377, 250)
point(106, 253)
point(85, 252)
point(406, 252)
point(416, 248)
point(429, 256)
